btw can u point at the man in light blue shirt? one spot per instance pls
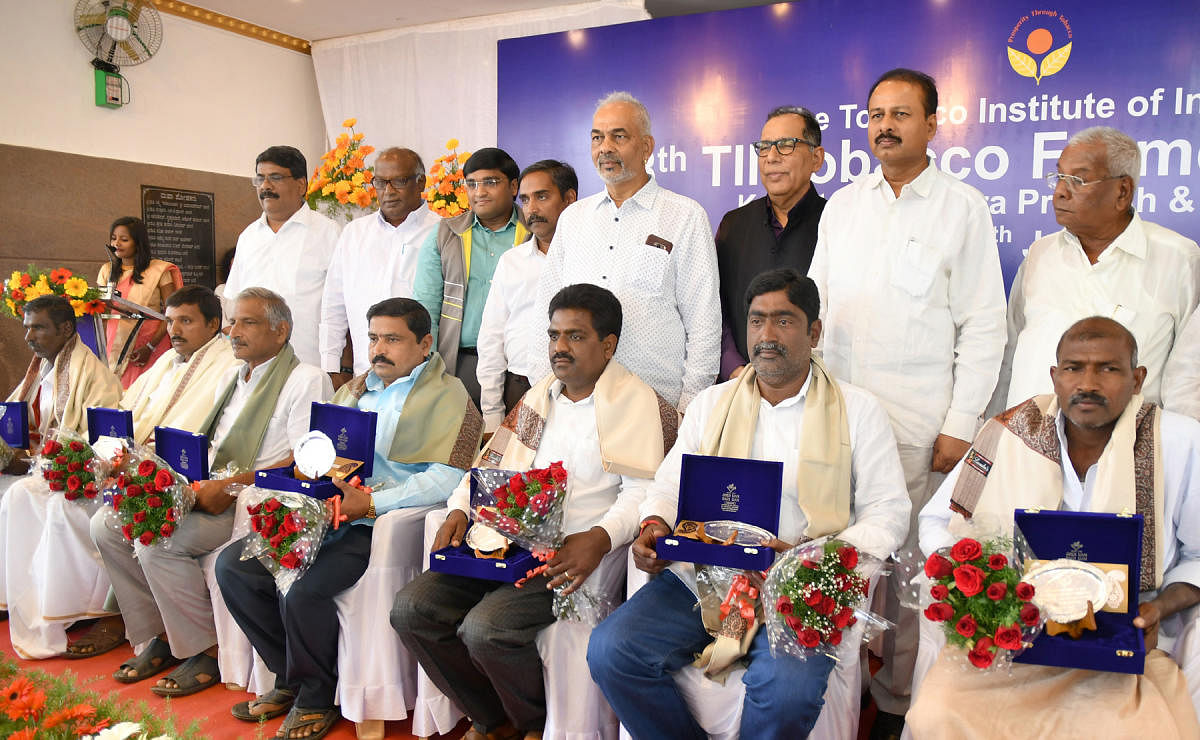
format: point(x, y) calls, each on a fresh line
point(426, 435)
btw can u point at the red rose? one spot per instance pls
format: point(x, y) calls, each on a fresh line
point(1029, 615)
point(965, 626)
point(272, 504)
point(117, 499)
point(939, 612)
point(997, 591)
point(55, 486)
point(969, 580)
point(486, 515)
point(139, 516)
point(48, 448)
point(170, 514)
point(252, 510)
point(277, 539)
point(981, 655)
point(966, 550)
point(516, 484)
point(290, 560)
point(122, 481)
point(146, 538)
point(810, 564)
point(1008, 638)
point(74, 467)
point(827, 606)
point(60, 460)
point(90, 490)
point(73, 483)
point(163, 479)
point(154, 502)
point(1024, 591)
point(557, 472)
point(268, 523)
point(794, 623)
point(814, 598)
point(843, 617)
point(70, 495)
point(77, 446)
point(146, 468)
point(149, 487)
point(809, 637)
point(849, 557)
point(783, 605)
point(996, 561)
point(134, 490)
point(939, 591)
point(834, 638)
point(938, 567)
point(127, 530)
point(166, 529)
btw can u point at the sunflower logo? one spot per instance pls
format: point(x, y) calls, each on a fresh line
point(1038, 42)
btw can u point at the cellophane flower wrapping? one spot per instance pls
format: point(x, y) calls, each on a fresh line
point(288, 530)
point(69, 465)
point(723, 590)
point(974, 590)
point(151, 499)
point(7, 455)
point(814, 596)
point(526, 507)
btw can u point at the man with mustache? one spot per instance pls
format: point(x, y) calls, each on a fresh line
point(652, 248)
point(777, 230)
point(543, 191)
point(1095, 444)
point(914, 312)
point(610, 430)
point(426, 434)
point(257, 411)
point(1106, 261)
point(375, 259)
point(289, 248)
point(841, 477)
point(455, 268)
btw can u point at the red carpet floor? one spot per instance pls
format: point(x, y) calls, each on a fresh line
point(210, 707)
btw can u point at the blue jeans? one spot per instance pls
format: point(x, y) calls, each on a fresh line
point(633, 654)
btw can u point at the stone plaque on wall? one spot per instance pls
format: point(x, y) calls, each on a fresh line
point(181, 229)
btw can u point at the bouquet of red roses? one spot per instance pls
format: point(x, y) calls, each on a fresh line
point(978, 596)
point(69, 464)
point(527, 508)
point(817, 591)
point(289, 528)
point(150, 499)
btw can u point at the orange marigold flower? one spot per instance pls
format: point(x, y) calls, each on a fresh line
point(362, 198)
point(445, 188)
point(342, 198)
point(452, 144)
point(347, 170)
point(26, 281)
point(25, 734)
point(342, 140)
point(18, 295)
point(59, 275)
point(368, 175)
point(366, 149)
point(462, 158)
point(359, 136)
point(349, 122)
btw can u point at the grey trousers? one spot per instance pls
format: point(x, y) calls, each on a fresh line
point(476, 641)
point(163, 589)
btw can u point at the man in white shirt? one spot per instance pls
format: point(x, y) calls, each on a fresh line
point(651, 247)
point(259, 410)
point(1181, 379)
point(609, 430)
point(784, 407)
point(1106, 261)
point(289, 248)
point(1096, 444)
point(914, 312)
point(375, 259)
point(543, 191)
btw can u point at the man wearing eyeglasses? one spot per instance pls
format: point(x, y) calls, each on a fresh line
point(777, 230)
point(289, 248)
point(375, 259)
point(454, 270)
point(1106, 261)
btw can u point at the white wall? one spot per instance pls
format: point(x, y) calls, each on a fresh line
point(209, 100)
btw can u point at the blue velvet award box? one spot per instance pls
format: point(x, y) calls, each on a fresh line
point(14, 424)
point(102, 422)
point(462, 560)
point(725, 489)
point(352, 432)
point(1109, 541)
point(185, 452)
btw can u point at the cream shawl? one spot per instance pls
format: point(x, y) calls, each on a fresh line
point(81, 380)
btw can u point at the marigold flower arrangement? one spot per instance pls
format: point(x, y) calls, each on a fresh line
point(526, 507)
point(34, 282)
point(290, 526)
point(343, 179)
point(445, 190)
point(984, 606)
point(150, 499)
point(69, 465)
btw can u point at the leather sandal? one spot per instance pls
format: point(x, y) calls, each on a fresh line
point(187, 676)
point(101, 638)
point(155, 659)
point(320, 721)
point(280, 699)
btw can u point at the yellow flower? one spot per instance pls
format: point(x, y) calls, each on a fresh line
point(462, 201)
point(43, 283)
point(11, 306)
point(349, 122)
point(358, 178)
point(343, 187)
point(452, 209)
point(343, 140)
point(75, 287)
point(14, 282)
point(327, 189)
point(33, 292)
point(452, 144)
point(359, 136)
point(78, 306)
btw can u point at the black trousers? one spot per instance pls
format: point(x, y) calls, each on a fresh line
point(514, 390)
point(468, 363)
point(296, 634)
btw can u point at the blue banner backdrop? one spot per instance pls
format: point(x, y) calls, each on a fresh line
point(1015, 79)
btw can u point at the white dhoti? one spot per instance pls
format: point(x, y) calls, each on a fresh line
point(52, 574)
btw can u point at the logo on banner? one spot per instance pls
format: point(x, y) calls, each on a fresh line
point(1046, 35)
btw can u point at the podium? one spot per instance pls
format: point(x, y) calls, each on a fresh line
point(116, 307)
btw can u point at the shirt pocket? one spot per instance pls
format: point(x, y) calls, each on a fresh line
point(648, 273)
point(914, 268)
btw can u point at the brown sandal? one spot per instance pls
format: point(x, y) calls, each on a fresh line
point(101, 638)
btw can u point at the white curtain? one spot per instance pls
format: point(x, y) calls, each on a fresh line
point(421, 85)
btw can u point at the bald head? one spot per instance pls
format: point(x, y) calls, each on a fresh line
point(1098, 327)
point(399, 181)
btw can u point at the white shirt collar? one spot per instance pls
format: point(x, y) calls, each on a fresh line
point(1131, 241)
point(792, 400)
point(556, 394)
point(255, 374)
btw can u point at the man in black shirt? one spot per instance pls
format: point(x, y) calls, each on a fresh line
point(777, 230)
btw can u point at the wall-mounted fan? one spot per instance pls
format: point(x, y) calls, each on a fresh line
point(117, 32)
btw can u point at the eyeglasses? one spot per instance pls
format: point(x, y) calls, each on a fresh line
point(783, 146)
point(1074, 182)
point(487, 182)
point(397, 183)
point(274, 177)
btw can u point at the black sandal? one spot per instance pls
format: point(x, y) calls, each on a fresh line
point(282, 699)
point(322, 719)
point(185, 676)
point(144, 663)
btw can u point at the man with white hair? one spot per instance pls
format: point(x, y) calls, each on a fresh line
point(652, 248)
point(1106, 261)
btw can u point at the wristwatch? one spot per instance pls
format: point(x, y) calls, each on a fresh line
point(347, 370)
point(371, 509)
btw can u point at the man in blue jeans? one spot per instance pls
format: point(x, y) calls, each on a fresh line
point(842, 476)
